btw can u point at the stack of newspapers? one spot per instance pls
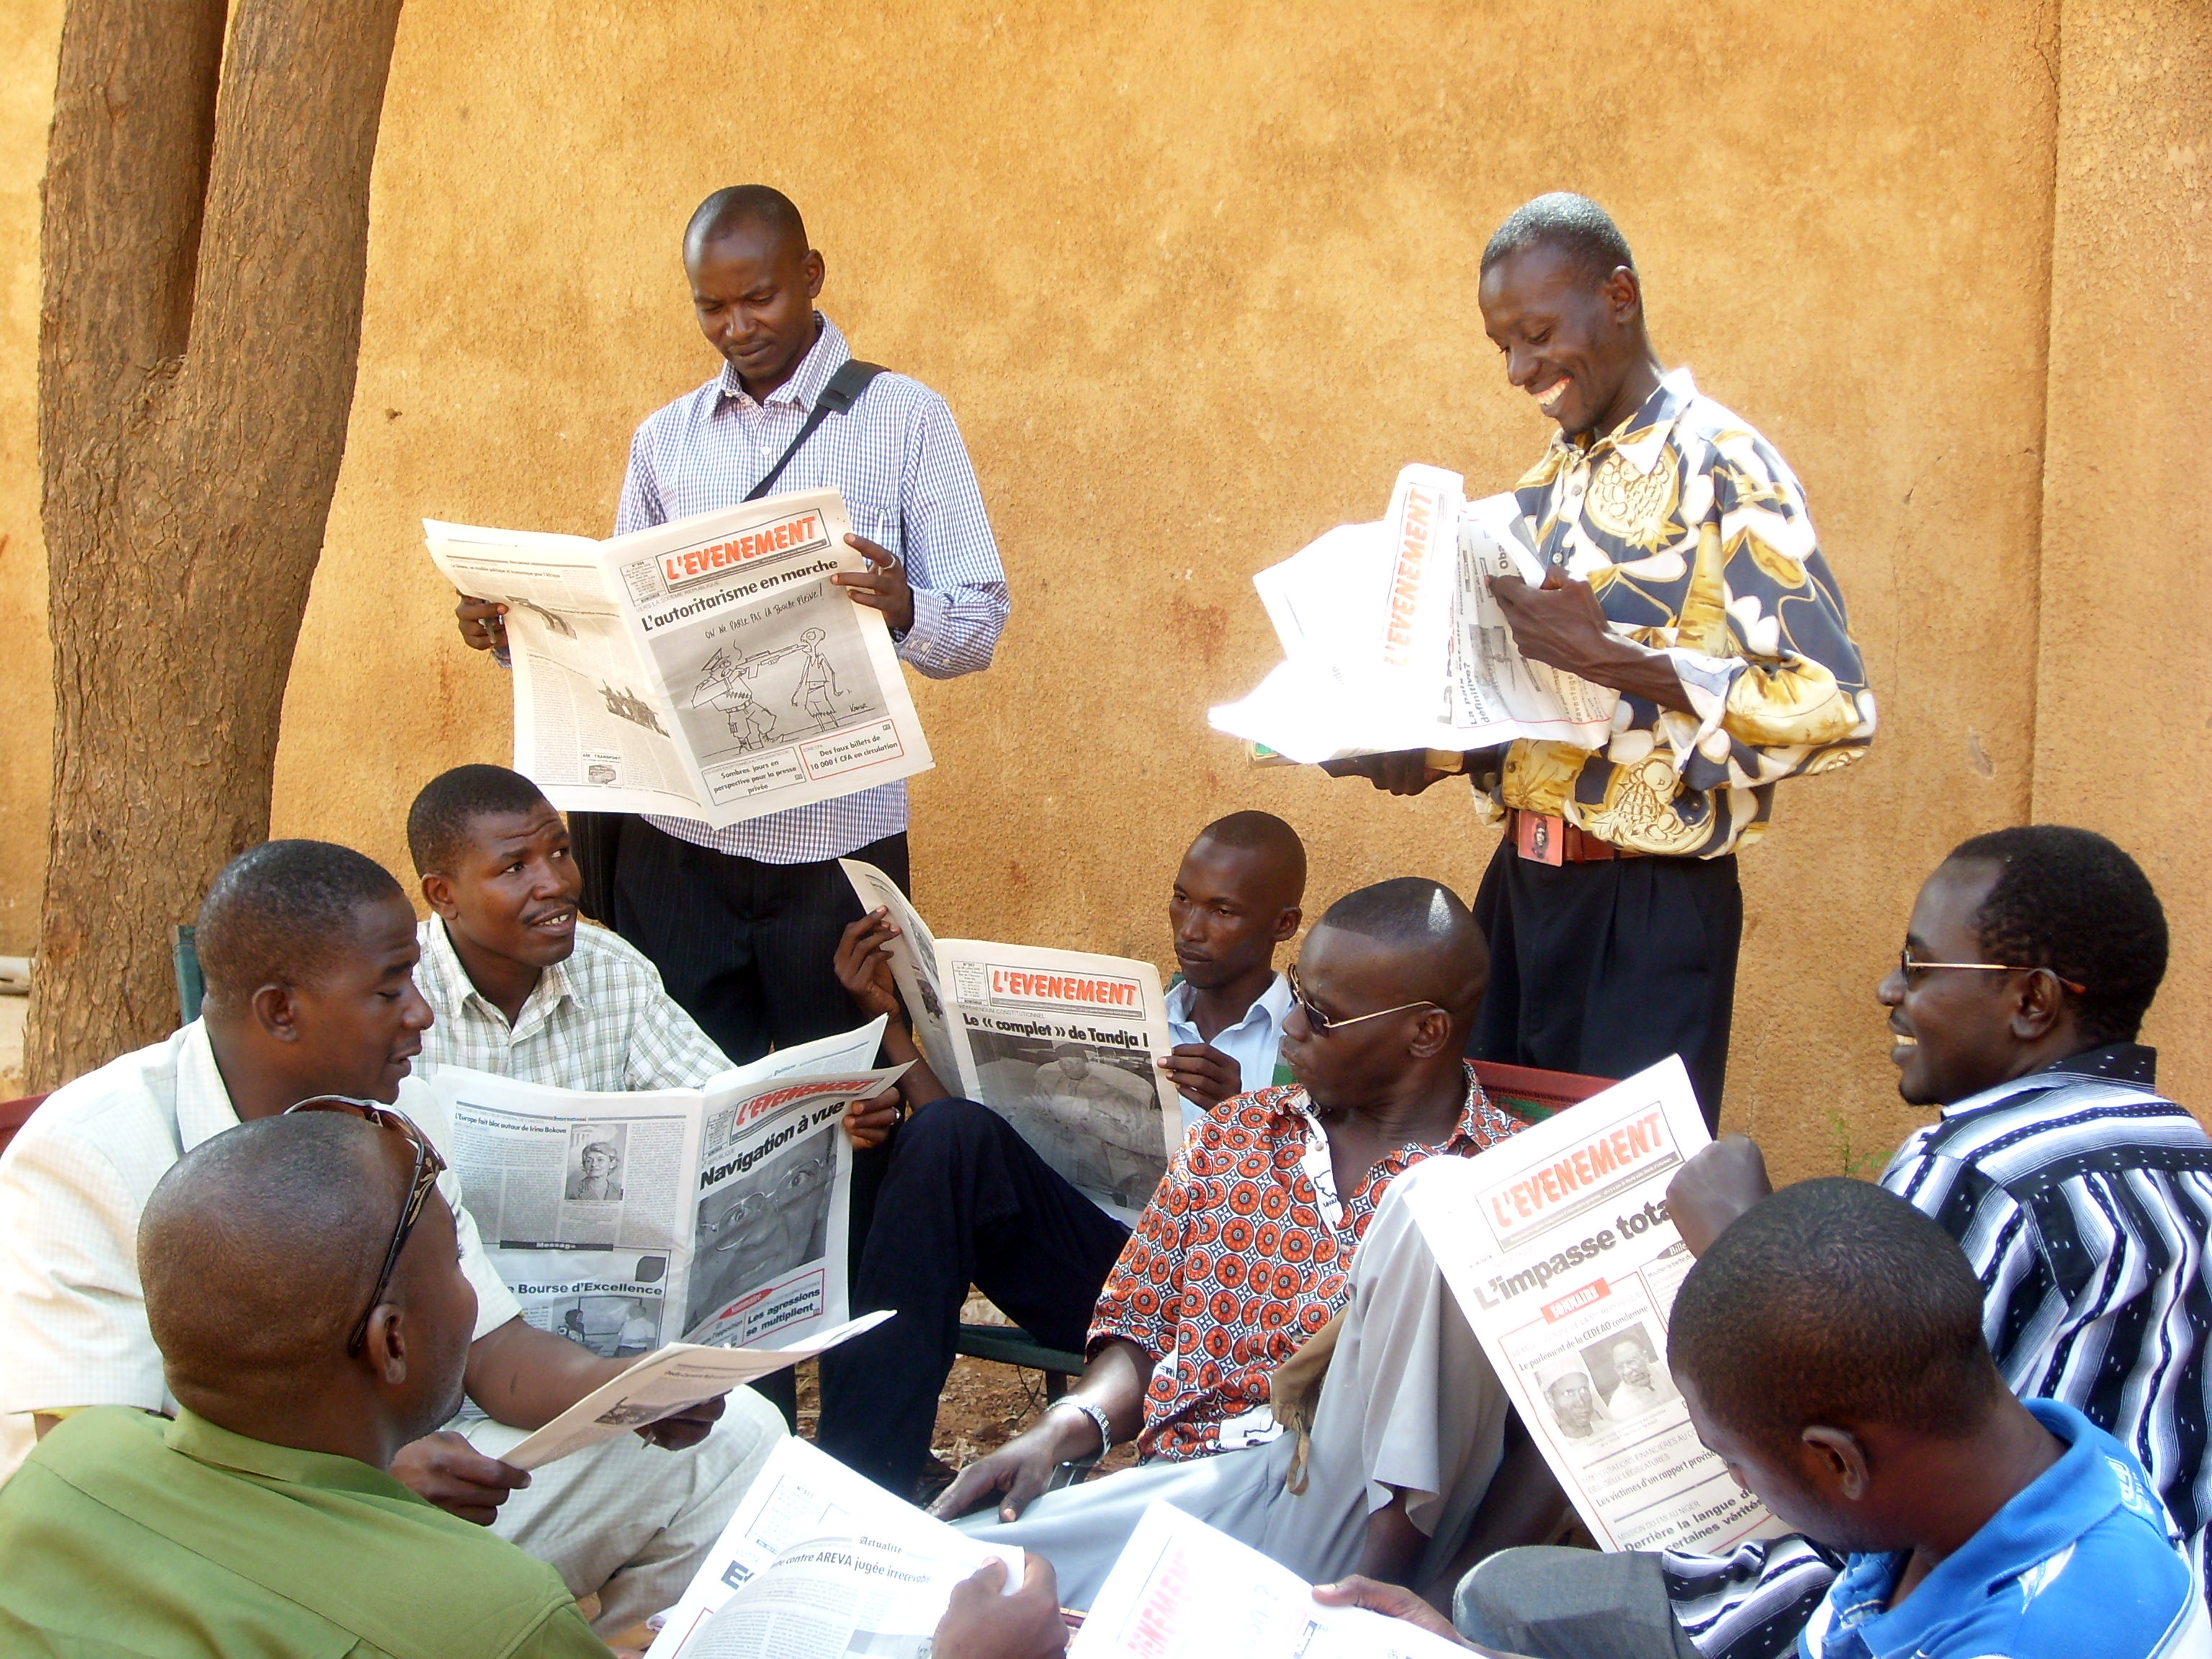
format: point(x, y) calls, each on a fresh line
point(1393, 640)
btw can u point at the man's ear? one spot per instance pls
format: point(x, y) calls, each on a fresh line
point(2038, 1006)
point(276, 1011)
point(1839, 1460)
point(1624, 295)
point(1286, 923)
point(385, 1349)
point(1432, 1036)
point(438, 889)
point(816, 271)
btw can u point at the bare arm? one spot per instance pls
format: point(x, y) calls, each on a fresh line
point(1114, 1382)
point(1714, 1188)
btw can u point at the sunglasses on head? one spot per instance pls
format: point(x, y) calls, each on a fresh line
point(1323, 1024)
point(428, 1166)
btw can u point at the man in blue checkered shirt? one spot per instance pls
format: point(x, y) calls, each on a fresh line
point(743, 923)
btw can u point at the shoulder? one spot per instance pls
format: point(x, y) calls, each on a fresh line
point(2121, 1578)
point(604, 955)
point(679, 412)
point(892, 391)
point(2065, 1124)
point(122, 1116)
point(1242, 1121)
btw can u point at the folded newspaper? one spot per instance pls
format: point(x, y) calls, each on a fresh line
point(819, 1561)
point(1180, 1589)
point(705, 668)
point(1393, 640)
point(626, 1221)
point(670, 1380)
point(1062, 1044)
point(1558, 1246)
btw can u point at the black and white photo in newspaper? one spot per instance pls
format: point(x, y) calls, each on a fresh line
point(1065, 1045)
point(1559, 1249)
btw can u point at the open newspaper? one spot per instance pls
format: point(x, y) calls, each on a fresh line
point(624, 1221)
point(705, 668)
point(1391, 639)
point(819, 1561)
point(1064, 1045)
point(1557, 1247)
point(1180, 1589)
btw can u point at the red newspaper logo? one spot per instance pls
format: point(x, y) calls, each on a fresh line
point(697, 564)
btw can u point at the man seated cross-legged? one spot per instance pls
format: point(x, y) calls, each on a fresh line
point(306, 1296)
point(1829, 1348)
point(2083, 1198)
point(308, 950)
point(1281, 1212)
point(966, 1201)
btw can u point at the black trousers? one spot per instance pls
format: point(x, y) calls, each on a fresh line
point(964, 1201)
point(746, 949)
point(1605, 969)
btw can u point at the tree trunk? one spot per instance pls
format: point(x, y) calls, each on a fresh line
point(206, 231)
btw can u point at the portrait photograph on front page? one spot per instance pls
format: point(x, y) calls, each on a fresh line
point(764, 1223)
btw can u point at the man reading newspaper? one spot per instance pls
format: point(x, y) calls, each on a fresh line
point(1278, 1214)
point(966, 1201)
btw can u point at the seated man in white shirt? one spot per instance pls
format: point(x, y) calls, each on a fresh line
point(308, 950)
point(966, 1201)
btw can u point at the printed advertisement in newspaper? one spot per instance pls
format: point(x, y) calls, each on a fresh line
point(622, 1221)
point(705, 667)
point(819, 1561)
point(1182, 1590)
point(1392, 640)
point(1559, 1249)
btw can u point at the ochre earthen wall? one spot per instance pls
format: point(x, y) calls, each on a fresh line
point(1196, 281)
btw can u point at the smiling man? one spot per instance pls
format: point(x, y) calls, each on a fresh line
point(1682, 572)
point(743, 922)
point(2083, 1198)
point(1281, 1212)
point(308, 950)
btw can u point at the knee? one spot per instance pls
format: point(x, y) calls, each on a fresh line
point(946, 1131)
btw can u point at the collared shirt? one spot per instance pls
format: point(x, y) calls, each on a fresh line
point(1255, 1041)
point(1244, 1252)
point(73, 1184)
point(600, 1020)
point(1694, 534)
point(2080, 1560)
point(2083, 1200)
point(126, 1534)
point(897, 458)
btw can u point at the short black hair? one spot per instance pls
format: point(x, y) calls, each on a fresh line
point(1574, 224)
point(280, 913)
point(1833, 1302)
point(734, 206)
point(2073, 901)
point(439, 822)
point(1446, 958)
point(1263, 833)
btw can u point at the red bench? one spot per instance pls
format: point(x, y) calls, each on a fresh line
point(14, 1113)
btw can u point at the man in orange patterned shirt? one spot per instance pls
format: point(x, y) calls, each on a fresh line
point(1272, 1221)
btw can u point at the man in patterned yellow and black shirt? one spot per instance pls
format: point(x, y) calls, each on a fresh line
point(1683, 573)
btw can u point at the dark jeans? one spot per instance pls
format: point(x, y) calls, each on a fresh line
point(964, 1201)
point(1605, 969)
point(747, 949)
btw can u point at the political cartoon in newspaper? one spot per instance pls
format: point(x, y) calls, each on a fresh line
point(801, 673)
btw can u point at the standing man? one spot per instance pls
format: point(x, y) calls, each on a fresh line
point(1682, 572)
point(743, 923)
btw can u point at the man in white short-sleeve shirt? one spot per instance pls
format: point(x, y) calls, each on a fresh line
point(308, 950)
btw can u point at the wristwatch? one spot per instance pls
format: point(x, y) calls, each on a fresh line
point(1097, 1416)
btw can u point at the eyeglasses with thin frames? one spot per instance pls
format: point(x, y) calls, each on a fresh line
point(1322, 1024)
point(1911, 966)
point(428, 1166)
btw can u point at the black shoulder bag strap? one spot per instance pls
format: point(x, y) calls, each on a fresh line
point(595, 838)
point(844, 389)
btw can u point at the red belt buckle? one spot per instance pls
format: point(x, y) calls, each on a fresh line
point(1540, 837)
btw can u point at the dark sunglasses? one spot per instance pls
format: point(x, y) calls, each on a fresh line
point(1322, 1024)
point(428, 1166)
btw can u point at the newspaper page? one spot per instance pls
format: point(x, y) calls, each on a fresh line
point(705, 667)
point(1392, 640)
point(624, 1221)
point(1559, 1248)
point(673, 1379)
point(818, 1562)
point(913, 965)
point(1180, 1589)
point(1065, 1046)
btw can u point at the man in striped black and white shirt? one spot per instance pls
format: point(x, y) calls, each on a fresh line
point(2083, 1198)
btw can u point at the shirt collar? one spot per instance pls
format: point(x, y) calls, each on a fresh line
point(202, 1441)
point(2116, 1062)
point(203, 1107)
point(446, 968)
point(1641, 439)
point(823, 358)
point(1272, 1005)
point(2086, 1484)
point(1479, 1127)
